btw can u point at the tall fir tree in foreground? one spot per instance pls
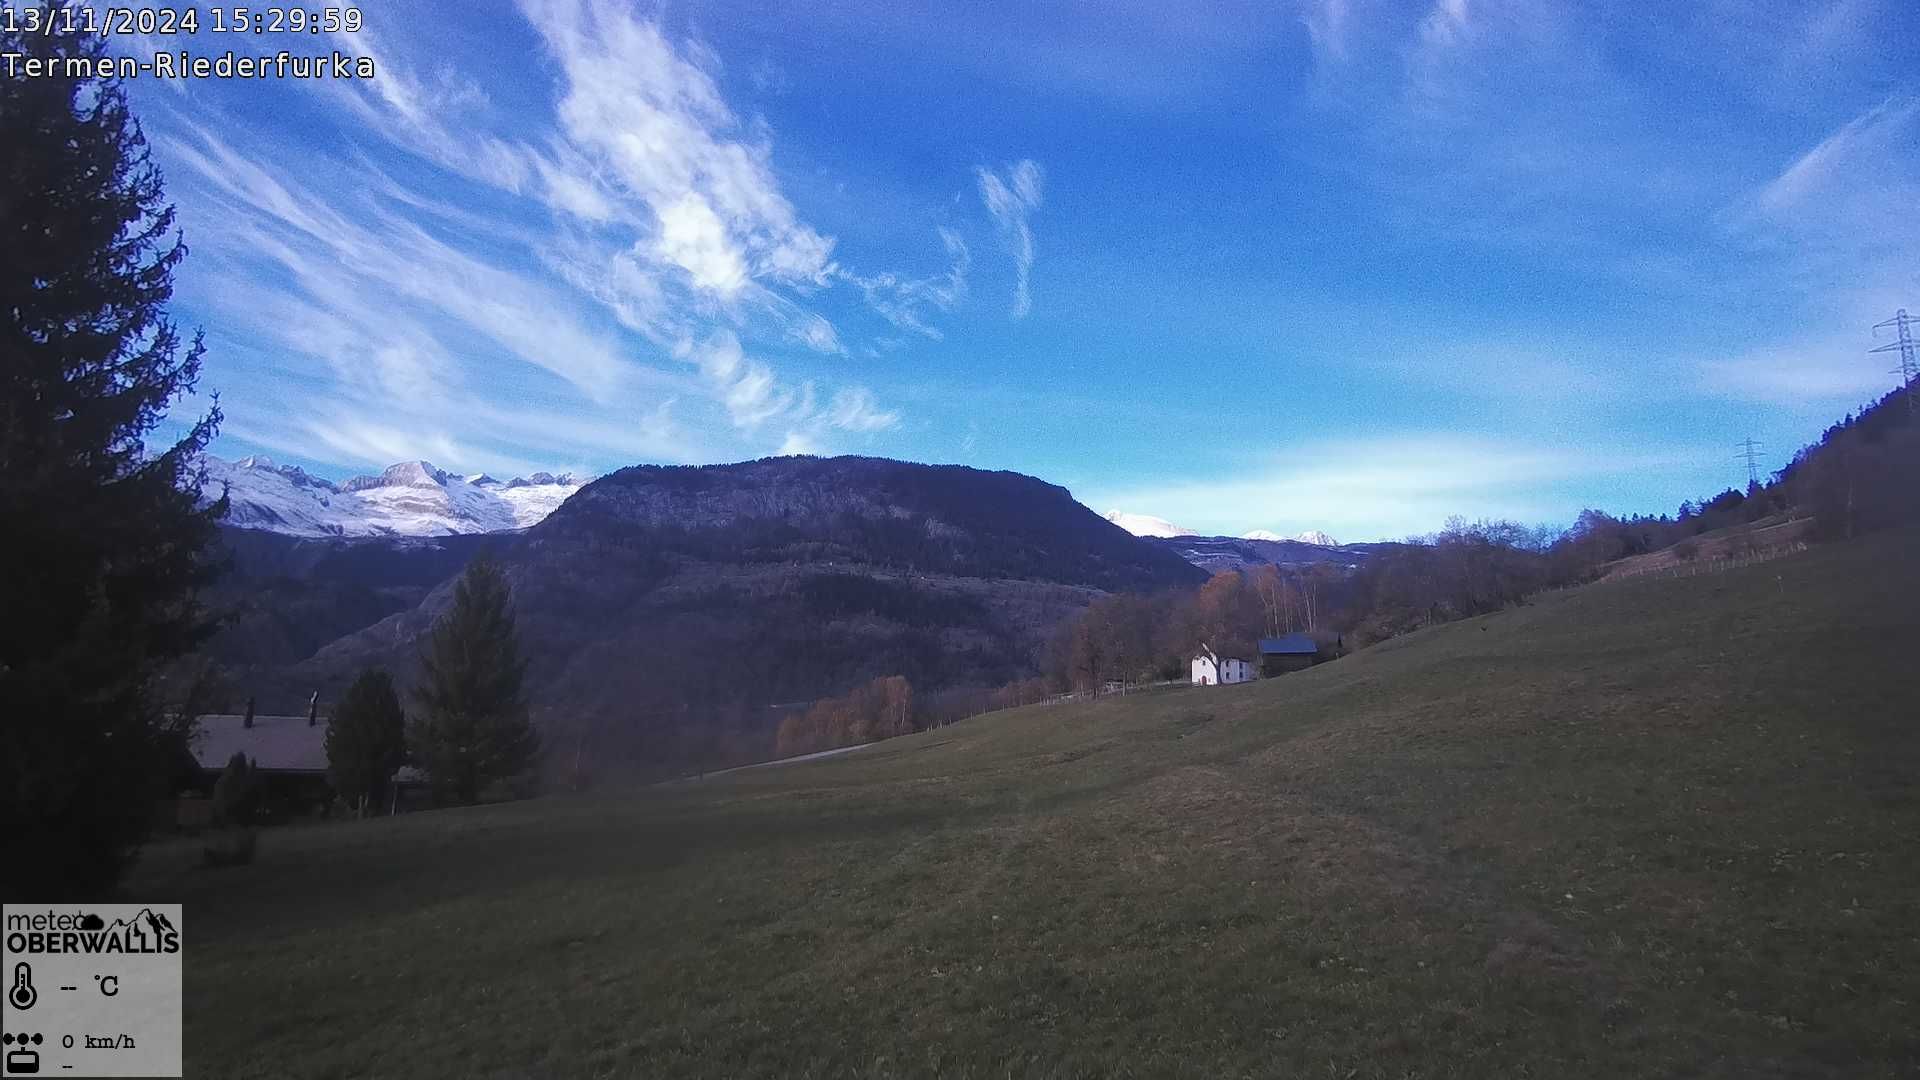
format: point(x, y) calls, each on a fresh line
point(106, 541)
point(366, 741)
point(473, 727)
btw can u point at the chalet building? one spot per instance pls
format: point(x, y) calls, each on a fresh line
point(289, 757)
point(1212, 670)
point(1292, 652)
point(288, 753)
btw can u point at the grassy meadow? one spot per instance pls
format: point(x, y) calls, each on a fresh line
point(1659, 828)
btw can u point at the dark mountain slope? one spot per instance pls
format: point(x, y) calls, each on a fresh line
point(285, 597)
point(668, 613)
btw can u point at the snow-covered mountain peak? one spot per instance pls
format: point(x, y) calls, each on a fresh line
point(1313, 536)
point(412, 498)
point(1146, 524)
point(419, 474)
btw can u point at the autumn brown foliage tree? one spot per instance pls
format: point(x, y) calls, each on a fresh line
point(880, 709)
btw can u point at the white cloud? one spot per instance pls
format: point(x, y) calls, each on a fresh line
point(854, 408)
point(799, 442)
point(366, 260)
point(1326, 22)
point(1012, 200)
point(816, 333)
point(909, 303)
point(1860, 142)
point(656, 126)
point(1446, 24)
point(641, 200)
point(693, 238)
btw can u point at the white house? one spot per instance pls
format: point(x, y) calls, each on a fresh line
point(1211, 670)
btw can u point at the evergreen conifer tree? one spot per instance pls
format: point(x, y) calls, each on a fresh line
point(106, 537)
point(366, 741)
point(473, 726)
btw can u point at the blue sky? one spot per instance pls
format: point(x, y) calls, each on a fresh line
point(1320, 264)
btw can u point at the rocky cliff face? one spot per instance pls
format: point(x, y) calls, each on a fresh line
point(870, 511)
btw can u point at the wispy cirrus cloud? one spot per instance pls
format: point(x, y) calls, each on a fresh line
point(1855, 188)
point(910, 303)
point(1012, 199)
point(1326, 23)
point(634, 243)
point(368, 258)
point(1837, 226)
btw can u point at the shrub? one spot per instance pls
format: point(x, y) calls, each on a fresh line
point(236, 793)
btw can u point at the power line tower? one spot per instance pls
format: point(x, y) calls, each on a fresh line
point(1903, 344)
point(1750, 451)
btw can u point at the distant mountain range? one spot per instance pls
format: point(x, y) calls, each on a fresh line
point(1160, 528)
point(1311, 536)
point(412, 498)
point(671, 613)
point(1215, 554)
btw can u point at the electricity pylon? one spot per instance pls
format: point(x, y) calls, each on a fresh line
point(1903, 344)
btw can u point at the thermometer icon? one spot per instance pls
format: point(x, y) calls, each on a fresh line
point(23, 995)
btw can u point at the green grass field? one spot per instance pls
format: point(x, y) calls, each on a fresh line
point(1651, 828)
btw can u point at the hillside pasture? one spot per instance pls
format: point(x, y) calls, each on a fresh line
point(1657, 828)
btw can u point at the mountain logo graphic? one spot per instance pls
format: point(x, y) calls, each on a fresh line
point(146, 932)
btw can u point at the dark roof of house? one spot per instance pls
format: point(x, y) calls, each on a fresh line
point(274, 743)
point(1290, 645)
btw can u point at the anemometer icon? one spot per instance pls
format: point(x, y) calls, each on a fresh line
point(23, 995)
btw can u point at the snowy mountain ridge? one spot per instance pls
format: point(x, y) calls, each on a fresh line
point(1146, 524)
point(1160, 528)
point(412, 498)
point(1311, 536)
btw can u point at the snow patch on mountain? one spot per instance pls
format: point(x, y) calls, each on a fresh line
point(1146, 524)
point(412, 498)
